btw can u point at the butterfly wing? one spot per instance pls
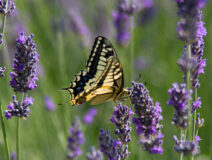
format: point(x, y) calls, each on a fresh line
point(86, 80)
point(101, 51)
point(110, 83)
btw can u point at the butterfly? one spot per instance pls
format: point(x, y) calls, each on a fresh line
point(102, 79)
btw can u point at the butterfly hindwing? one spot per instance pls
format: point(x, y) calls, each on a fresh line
point(110, 83)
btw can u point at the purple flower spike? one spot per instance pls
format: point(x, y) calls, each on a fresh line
point(188, 25)
point(112, 148)
point(1, 38)
point(88, 117)
point(17, 109)
point(187, 147)
point(24, 67)
point(49, 104)
point(2, 70)
point(107, 144)
point(178, 99)
point(121, 21)
point(13, 156)
point(197, 52)
point(10, 7)
point(195, 64)
point(94, 154)
point(199, 121)
point(121, 118)
point(147, 118)
point(75, 139)
point(129, 8)
point(196, 104)
point(75, 21)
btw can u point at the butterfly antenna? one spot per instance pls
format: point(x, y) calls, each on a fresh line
point(64, 89)
point(139, 77)
point(60, 104)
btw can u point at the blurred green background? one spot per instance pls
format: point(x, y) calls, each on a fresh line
point(63, 54)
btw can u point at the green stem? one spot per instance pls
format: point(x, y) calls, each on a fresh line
point(4, 133)
point(61, 58)
point(188, 84)
point(181, 154)
point(18, 131)
point(18, 138)
point(4, 20)
point(5, 55)
point(195, 116)
point(194, 119)
point(131, 46)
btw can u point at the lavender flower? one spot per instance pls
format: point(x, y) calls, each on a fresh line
point(147, 14)
point(75, 139)
point(6, 7)
point(179, 97)
point(101, 20)
point(17, 109)
point(188, 24)
point(1, 37)
point(196, 104)
point(187, 64)
point(76, 21)
point(197, 52)
point(187, 147)
point(147, 118)
point(24, 67)
point(129, 8)
point(2, 70)
point(94, 154)
point(121, 118)
point(121, 21)
point(88, 117)
point(191, 29)
point(199, 121)
point(49, 104)
point(13, 156)
point(112, 148)
point(141, 63)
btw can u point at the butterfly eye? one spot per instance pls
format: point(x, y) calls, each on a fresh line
point(85, 78)
point(129, 92)
point(79, 88)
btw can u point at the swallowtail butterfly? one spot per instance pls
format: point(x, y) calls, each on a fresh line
point(103, 78)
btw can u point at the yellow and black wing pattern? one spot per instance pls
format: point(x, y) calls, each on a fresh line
point(102, 79)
